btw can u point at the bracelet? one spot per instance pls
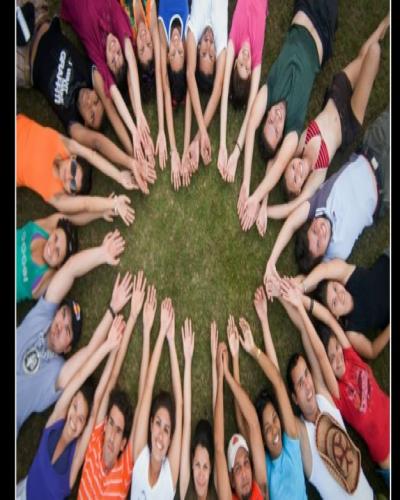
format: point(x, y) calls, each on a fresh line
point(111, 311)
point(310, 309)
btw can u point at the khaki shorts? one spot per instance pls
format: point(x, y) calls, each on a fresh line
point(24, 70)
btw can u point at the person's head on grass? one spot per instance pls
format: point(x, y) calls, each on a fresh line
point(117, 427)
point(271, 134)
point(270, 423)
point(333, 349)
point(240, 466)
point(335, 297)
point(295, 175)
point(66, 328)
point(312, 241)
point(241, 76)
point(206, 61)
point(78, 412)
point(176, 63)
point(74, 173)
point(202, 457)
point(115, 59)
point(301, 386)
point(61, 244)
point(161, 426)
point(90, 108)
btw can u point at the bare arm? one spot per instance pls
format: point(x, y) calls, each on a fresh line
point(112, 113)
point(214, 347)
point(191, 52)
point(133, 76)
point(188, 121)
point(335, 269)
point(122, 108)
point(261, 306)
point(366, 348)
point(157, 57)
point(80, 219)
point(230, 56)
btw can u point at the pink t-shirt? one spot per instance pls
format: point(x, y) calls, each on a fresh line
point(364, 405)
point(248, 23)
point(93, 20)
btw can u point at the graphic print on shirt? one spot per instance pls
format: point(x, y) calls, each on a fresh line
point(31, 361)
point(359, 390)
point(24, 258)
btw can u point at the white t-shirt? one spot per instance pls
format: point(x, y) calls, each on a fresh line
point(213, 13)
point(320, 476)
point(140, 488)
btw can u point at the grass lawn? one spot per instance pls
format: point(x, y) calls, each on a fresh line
point(190, 244)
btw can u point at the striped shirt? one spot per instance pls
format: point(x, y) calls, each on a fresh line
point(95, 482)
point(323, 155)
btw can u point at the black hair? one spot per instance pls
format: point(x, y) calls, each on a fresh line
point(147, 79)
point(292, 363)
point(203, 436)
point(263, 398)
point(162, 400)
point(177, 84)
point(324, 333)
point(204, 81)
point(239, 89)
point(86, 176)
point(120, 399)
point(71, 235)
point(321, 292)
point(305, 260)
point(121, 76)
point(287, 194)
point(87, 390)
point(76, 320)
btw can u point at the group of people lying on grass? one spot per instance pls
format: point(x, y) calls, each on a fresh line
point(148, 449)
point(180, 51)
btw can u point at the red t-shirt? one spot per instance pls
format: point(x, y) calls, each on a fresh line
point(254, 495)
point(93, 20)
point(364, 405)
point(248, 23)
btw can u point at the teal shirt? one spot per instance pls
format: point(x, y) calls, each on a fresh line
point(285, 473)
point(292, 75)
point(28, 272)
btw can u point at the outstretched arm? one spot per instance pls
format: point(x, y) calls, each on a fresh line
point(188, 347)
point(80, 219)
point(214, 347)
point(120, 296)
point(191, 53)
point(255, 437)
point(335, 269)
point(261, 306)
point(223, 154)
point(143, 411)
point(174, 453)
point(366, 348)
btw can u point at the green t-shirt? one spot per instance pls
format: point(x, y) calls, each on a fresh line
point(292, 75)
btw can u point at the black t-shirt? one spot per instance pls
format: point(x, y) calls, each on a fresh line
point(59, 72)
point(370, 291)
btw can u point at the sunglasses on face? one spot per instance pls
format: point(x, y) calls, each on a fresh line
point(73, 187)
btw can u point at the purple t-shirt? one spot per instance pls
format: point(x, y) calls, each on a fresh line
point(248, 23)
point(93, 20)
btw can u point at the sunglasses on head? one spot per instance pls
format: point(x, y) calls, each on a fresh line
point(72, 185)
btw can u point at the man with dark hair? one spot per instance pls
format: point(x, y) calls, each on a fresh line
point(108, 463)
point(52, 328)
point(346, 203)
point(281, 103)
point(321, 425)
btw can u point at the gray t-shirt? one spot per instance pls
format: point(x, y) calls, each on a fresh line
point(348, 199)
point(37, 367)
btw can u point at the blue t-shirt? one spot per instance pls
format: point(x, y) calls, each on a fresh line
point(285, 473)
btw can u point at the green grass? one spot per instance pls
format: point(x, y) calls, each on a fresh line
point(190, 244)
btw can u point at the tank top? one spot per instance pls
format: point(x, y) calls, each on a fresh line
point(145, 8)
point(47, 480)
point(320, 477)
point(28, 272)
point(168, 11)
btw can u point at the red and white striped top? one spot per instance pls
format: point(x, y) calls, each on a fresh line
point(323, 156)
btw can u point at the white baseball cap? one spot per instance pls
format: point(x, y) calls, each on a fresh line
point(237, 441)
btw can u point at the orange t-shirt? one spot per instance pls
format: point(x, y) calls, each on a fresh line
point(95, 483)
point(37, 148)
point(255, 493)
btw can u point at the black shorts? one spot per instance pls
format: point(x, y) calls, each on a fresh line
point(341, 92)
point(323, 14)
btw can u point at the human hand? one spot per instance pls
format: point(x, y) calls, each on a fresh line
point(166, 315)
point(250, 212)
point(194, 155)
point(233, 337)
point(171, 328)
point(246, 339)
point(214, 341)
point(137, 146)
point(123, 209)
point(126, 179)
point(115, 334)
point(262, 219)
point(205, 147)
point(161, 149)
point(148, 171)
point(138, 173)
point(232, 165)
point(122, 292)
point(243, 195)
point(185, 170)
point(222, 358)
point(271, 281)
point(139, 287)
point(175, 170)
point(222, 161)
point(291, 293)
point(188, 340)
point(144, 135)
point(149, 309)
point(113, 245)
point(109, 214)
point(260, 303)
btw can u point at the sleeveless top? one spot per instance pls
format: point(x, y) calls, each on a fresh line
point(145, 7)
point(323, 155)
point(47, 480)
point(169, 11)
point(320, 477)
point(28, 272)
